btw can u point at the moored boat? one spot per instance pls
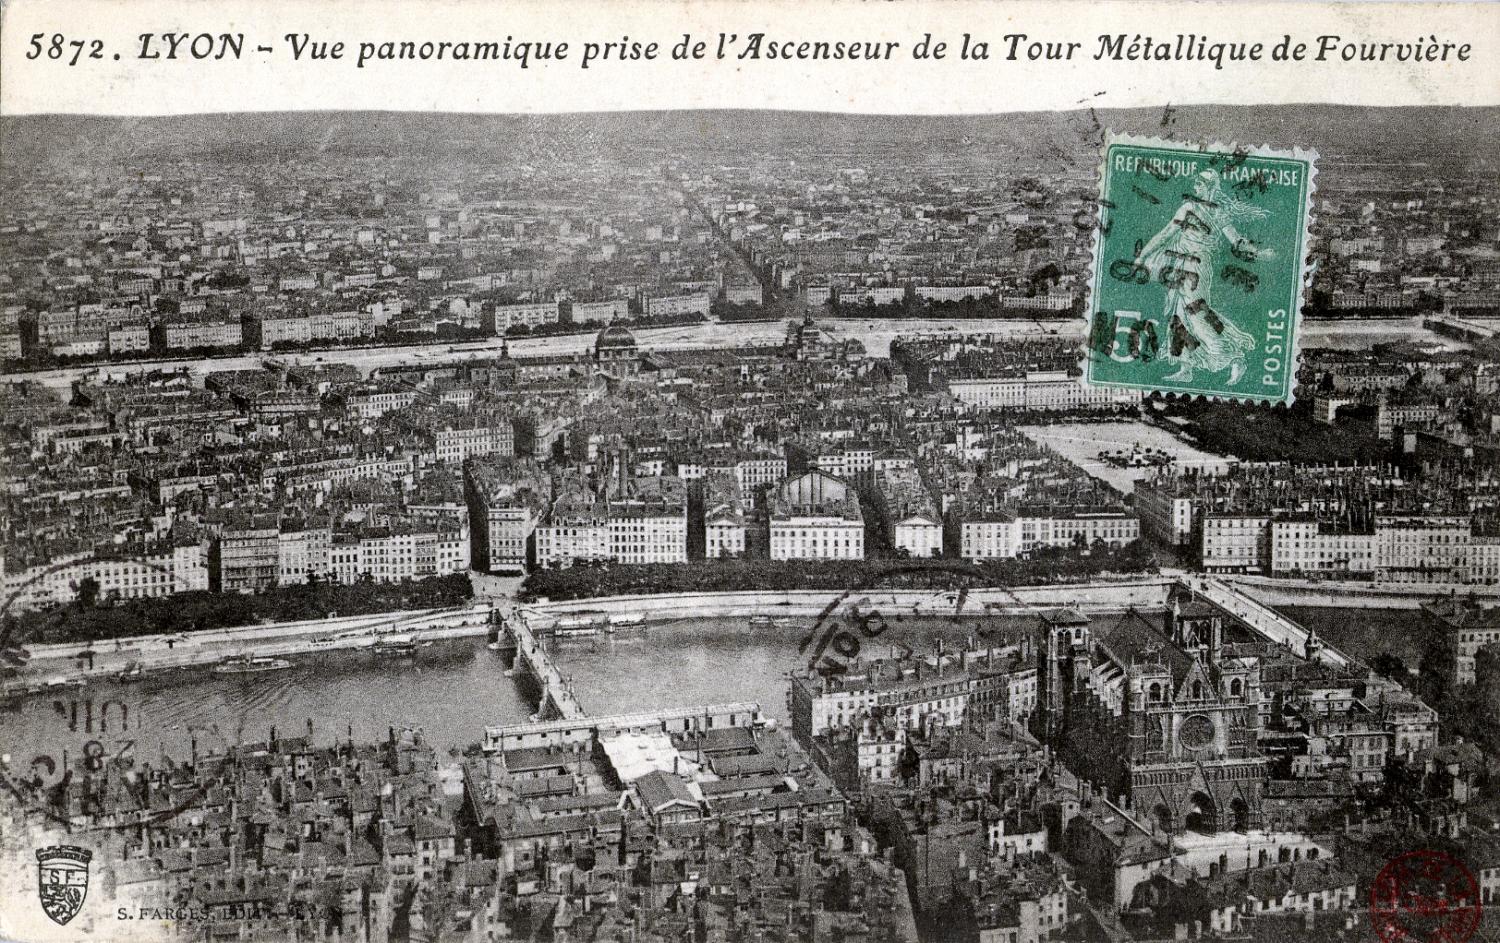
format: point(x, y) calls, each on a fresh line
point(396, 645)
point(571, 626)
point(250, 664)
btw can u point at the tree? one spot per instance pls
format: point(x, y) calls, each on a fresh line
point(909, 767)
point(88, 592)
point(1487, 679)
point(1433, 674)
point(1390, 666)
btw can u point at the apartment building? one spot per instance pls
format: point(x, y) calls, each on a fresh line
point(1234, 543)
point(692, 303)
point(990, 535)
point(457, 442)
point(816, 516)
point(574, 534)
point(648, 521)
point(1405, 548)
point(302, 553)
point(908, 512)
point(245, 556)
point(1463, 627)
point(374, 401)
point(599, 312)
point(914, 693)
point(129, 338)
point(577, 527)
point(758, 471)
point(505, 500)
point(1014, 532)
point(953, 292)
point(724, 528)
point(528, 314)
point(403, 551)
point(1037, 389)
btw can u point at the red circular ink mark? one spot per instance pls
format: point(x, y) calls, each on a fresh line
point(1425, 897)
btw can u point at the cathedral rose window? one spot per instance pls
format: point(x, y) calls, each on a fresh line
point(1196, 732)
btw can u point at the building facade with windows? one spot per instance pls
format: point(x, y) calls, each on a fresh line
point(816, 516)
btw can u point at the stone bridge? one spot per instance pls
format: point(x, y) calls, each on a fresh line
point(1262, 619)
point(557, 700)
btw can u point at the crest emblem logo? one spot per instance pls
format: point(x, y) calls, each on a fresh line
point(62, 880)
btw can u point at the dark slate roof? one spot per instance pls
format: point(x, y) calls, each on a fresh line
point(614, 336)
point(1065, 616)
point(1133, 635)
point(658, 789)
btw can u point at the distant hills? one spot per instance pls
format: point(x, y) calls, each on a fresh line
point(1439, 135)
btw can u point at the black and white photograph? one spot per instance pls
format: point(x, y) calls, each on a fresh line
point(698, 525)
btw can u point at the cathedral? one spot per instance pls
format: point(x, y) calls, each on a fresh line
point(1152, 712)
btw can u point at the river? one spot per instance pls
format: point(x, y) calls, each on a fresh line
point(453, 689)
point(450, 689)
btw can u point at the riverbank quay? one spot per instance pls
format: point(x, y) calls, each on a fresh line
point(1351, 594)
point(61, 664)
point(1144, 592)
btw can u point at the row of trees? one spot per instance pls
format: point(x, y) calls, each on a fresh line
point(1051, 565)
point(1470, 711)
point(87, 619)
point(1277, 434)
point(731, 311)
point(556, 328)
point(986, 308)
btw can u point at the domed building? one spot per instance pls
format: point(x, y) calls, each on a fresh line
point(615, 352)
point(805, 340)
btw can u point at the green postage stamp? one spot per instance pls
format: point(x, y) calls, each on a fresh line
point(1199, 269)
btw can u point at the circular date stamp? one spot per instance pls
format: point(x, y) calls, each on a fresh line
point(1425, 897)
point(857, 617)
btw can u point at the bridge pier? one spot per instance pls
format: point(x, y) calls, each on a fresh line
point(508, 648)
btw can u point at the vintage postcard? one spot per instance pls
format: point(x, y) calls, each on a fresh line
point(660, 472)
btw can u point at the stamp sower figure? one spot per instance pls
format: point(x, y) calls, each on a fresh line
point(1182, 257)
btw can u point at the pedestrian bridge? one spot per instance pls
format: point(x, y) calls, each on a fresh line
point(577, 732)
point(1461, 328)
point(1262, 619)
point(557, 700)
